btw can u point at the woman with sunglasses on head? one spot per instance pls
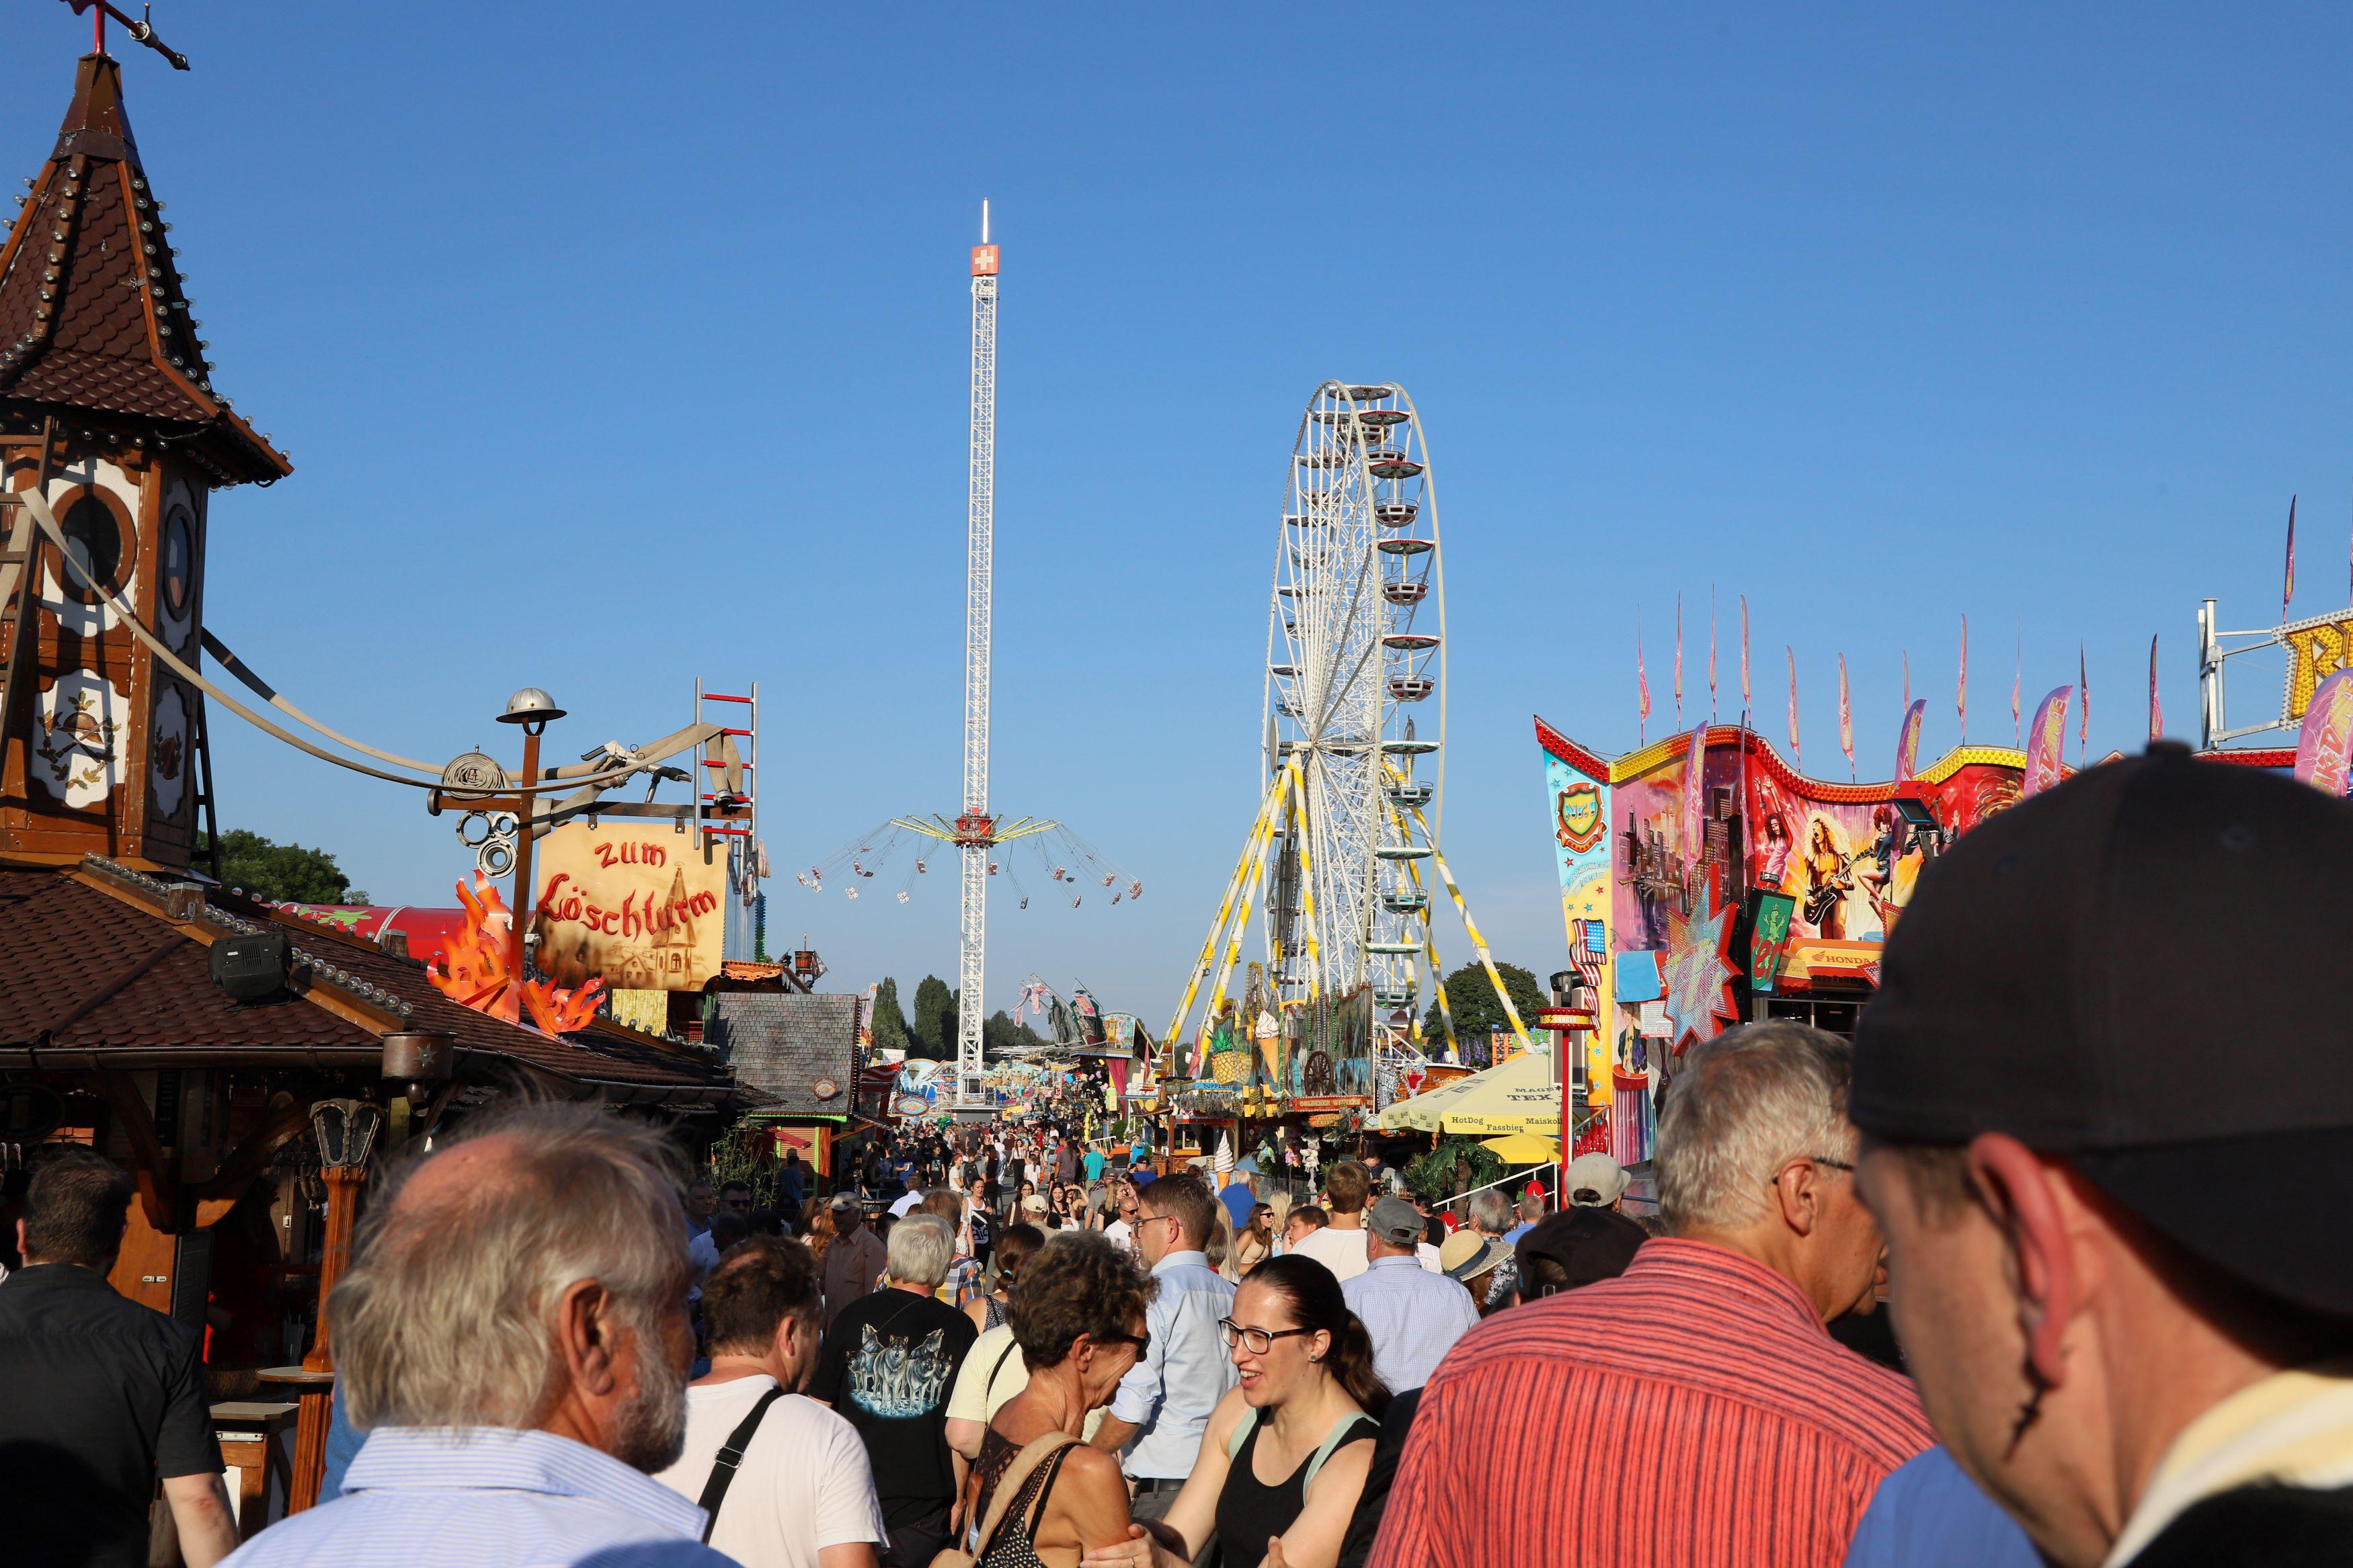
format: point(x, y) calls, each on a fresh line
point(1013, 1249)
point(1044, 1496)
point(1285, 1455)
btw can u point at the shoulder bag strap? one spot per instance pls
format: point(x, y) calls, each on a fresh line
point(1344, 1433)
point(989, 1387)
point(1009, 1485)
point(730, 1454)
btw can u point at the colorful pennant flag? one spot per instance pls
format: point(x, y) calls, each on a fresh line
point(1711, 650)
point(2045, 747)
point(1907, 741)
point(2156, 713)
point(2083, 706)
point(1846, 718)
point(1744, 653)
point(1794, 752)
point(1695, 812)
point(2287, 584)
point(1679, 661)
point(1961, 690)
point(2323, 745)
point(2016, 677)
point(1641, 678)
point(1908, 680)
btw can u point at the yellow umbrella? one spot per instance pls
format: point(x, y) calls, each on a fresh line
point(1521, 1096)
point(1524, 1149)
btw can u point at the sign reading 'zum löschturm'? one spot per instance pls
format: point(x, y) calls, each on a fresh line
point(640, 907)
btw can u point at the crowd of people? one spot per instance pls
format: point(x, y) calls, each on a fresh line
point(554, 1347)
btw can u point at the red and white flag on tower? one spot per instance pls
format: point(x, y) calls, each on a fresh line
point(2156, 713)
point(1794, 752)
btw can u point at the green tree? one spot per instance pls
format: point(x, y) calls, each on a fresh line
point(284, 873)
point(998, 1032)
point(1471, 996)
point(934, 1031)
point(890, 1022)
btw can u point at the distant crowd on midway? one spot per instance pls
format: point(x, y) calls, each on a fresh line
point(2019, 1275)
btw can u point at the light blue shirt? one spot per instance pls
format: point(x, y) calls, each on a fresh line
point(485, 1497)
point(1413, 1316)
point(1927, 1514)
point(1169, 1394)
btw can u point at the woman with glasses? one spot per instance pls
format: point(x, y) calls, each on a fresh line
point(1285, 1457)
point(1078, 1317)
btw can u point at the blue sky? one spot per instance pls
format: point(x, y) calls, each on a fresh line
point(618, 344)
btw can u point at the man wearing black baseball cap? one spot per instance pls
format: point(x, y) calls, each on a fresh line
point(2117, 1247)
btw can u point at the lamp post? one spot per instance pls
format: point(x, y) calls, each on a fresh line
point(533, 710)
point(345, 1133)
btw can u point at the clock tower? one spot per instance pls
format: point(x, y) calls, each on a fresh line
point(108, 410)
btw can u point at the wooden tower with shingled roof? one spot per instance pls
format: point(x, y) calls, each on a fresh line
point(107, 408)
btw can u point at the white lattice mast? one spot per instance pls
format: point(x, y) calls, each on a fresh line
point(976, 829)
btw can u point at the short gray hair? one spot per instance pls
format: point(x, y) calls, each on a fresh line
point(1491, 1212)
point(920, 1249)
point(444, 1318)
point(1746, 1102)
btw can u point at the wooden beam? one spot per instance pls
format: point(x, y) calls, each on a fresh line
point(247, 1162)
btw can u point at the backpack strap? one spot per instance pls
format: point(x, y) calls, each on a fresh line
point(1241, 1434)
point(1010, 1484)
point(730, 1455)
point(1345, 1432)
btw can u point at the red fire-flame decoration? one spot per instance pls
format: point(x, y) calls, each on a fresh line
point(478, 968)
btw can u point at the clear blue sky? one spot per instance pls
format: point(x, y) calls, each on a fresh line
point(615, 344)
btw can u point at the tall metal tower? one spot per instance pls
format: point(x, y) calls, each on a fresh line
point(975, 830)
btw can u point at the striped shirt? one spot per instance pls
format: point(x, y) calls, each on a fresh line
point(1690, 1412)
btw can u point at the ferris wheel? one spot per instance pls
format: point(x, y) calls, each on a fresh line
point(1345, 842)
point(1355, 696)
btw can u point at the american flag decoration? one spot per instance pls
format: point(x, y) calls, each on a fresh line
point(2155, 712)
point(1588, 952)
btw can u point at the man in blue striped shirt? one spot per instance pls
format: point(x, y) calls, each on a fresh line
point(514, 1340)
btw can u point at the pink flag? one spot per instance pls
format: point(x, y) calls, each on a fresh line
point(1908, 680)
point(1641, 676)
point(2326, 738)
point(2084, 708)
point(1907, 741)
point(1794, 752)
point(1744, 653)
point(2287, 585)
point(1711, 652)
point(1679, 658)
point(2047, 740)
point(2156, 713)
point(1961, 690)
point(2017, 677)
point(1695, 820)
point(1846, 718)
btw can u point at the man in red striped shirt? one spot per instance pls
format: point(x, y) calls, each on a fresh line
point(1691, 1411)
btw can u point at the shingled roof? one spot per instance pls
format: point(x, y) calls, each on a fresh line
point(92, 316)
point(95, 973)
point(789, 1048)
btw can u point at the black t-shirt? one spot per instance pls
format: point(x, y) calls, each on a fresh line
point(99, 1396)
point(888, 1364)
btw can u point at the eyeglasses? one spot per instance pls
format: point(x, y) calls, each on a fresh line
point(1815, 1159)
point(739, 1203)
point(1260, 1341)
point(1156, 1218)
point(1142, 1342)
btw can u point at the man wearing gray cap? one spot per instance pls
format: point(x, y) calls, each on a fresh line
point(2119, 1262)
point(1594, 1181)
point(1413, 1315)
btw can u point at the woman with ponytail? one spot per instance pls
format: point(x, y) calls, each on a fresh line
point(1285, 1454)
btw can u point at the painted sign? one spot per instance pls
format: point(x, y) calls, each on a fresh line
point(2317, 649)
point(2323, 744)
point(638, 906)
point(1580, 818)
point(1768, 939)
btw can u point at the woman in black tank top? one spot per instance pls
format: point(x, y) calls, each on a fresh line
point(1286, 1453)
